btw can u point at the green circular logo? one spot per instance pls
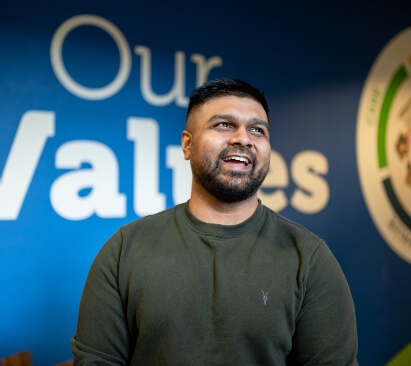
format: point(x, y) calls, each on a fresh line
point(384, 143)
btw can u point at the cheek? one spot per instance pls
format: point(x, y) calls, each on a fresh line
point(265, 152)
point(205, 146)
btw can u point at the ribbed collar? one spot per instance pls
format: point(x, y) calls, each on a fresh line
point(227, 231)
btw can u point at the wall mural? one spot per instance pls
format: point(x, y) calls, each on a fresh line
point(93, 102)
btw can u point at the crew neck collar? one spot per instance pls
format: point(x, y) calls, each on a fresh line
point(218, 230)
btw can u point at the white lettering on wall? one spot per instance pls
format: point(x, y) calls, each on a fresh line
point(204, 66)
point(31, 136)
point(92, 184)
point(99, 180)
point(56, 56)
point(145, 135)
point(314, 193)
point(177, 91)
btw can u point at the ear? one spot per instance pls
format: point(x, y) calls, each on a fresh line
point(186, 139)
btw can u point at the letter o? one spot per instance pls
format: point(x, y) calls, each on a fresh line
point(56, 56)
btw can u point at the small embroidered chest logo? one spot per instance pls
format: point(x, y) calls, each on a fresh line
point(265, 297)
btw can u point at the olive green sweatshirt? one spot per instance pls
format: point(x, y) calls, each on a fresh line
point(169, 289)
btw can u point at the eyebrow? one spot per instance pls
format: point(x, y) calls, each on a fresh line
point(231, 117)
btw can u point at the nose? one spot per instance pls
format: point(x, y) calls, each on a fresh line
point(240, 137)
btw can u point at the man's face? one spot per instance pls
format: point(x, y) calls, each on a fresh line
point(227, 143)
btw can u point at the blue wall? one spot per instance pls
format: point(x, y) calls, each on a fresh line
point(91, 113)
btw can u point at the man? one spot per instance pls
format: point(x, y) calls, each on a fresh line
point(220, 280)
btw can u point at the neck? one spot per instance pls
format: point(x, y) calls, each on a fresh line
point(213, 211)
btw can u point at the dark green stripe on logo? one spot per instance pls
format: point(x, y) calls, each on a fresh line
point(402, 214)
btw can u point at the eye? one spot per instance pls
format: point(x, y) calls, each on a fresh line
point(257, 130)
point(223, 125)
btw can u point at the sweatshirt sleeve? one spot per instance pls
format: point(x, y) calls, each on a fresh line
point(102, 336)
point(325, 327)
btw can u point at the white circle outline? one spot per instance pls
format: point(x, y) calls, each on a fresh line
point(56, 56)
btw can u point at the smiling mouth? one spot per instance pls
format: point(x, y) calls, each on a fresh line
point(240, 160)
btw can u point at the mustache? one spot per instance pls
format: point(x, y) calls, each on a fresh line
point(240, 151)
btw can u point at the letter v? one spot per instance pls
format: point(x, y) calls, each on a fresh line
point(34, 129)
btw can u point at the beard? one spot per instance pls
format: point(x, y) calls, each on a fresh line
point(229, 186)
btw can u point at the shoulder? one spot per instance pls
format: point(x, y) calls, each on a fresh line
point(138, 231)
point(150, 222)
point(291, 232)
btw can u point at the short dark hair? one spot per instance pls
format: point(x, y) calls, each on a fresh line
point(225, 87)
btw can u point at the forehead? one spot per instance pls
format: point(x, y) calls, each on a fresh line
point(241, 107)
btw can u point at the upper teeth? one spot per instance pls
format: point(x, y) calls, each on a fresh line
point(238, 158)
